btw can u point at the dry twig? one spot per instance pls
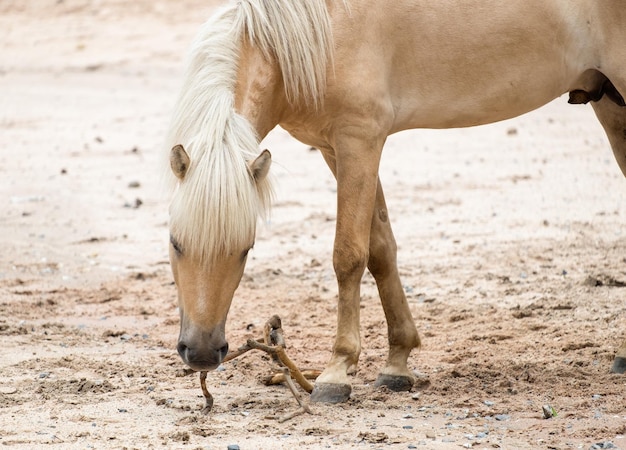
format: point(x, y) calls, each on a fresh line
point(273, 343)
point(279, 377)
point(208, 398)
point(304, 407)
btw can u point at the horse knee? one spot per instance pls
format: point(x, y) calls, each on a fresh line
point(349, 262)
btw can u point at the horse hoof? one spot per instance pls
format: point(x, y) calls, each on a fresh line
point(397, 383)
point(331, 393)
point(619, 365)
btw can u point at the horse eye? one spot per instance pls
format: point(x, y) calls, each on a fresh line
point(245, 253)
point(176, 245)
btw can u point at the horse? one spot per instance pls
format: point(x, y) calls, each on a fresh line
point(341, 76)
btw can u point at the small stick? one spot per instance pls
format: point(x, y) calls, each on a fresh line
point(294, 371)
point(278, 378)
point(273, 343)
point(237, 353)
point(208, 398)
point(273, 335)
point(293, 414)
point(303, 406)
point(280, 352)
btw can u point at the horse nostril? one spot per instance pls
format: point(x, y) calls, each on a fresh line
point(223, 351)
point(182, 349)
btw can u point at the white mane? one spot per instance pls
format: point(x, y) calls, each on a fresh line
point(216, 206)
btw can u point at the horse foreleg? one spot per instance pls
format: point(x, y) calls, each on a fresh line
point(355, 166)
point(401, 330)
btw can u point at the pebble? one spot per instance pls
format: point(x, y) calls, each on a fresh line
point(8, 390)
point(602, 445)
point(232, 447)
point(548, 412)
point(489, 403)
point(502, 417)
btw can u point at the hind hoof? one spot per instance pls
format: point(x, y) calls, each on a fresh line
point(331, 393)
point(397, 383)
point(619, 365)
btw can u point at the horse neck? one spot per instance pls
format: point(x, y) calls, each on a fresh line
point(259, 93)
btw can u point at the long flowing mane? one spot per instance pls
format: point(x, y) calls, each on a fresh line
point(216, 206)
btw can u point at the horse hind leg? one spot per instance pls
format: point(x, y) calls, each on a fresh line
point(401, 331)
point(611, 113)
point(619, 363)
point(612, 116)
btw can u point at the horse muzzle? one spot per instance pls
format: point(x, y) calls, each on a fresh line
point(203, 353)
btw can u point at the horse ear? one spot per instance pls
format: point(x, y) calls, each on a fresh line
point(179, 161)
point(261, 166)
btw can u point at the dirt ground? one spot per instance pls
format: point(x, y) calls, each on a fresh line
point(512, 248)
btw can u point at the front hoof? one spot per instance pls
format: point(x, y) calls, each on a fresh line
point(331, 393)
point(619, 365)
point(397, 383)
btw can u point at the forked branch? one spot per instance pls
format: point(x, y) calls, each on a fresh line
point(273, 343)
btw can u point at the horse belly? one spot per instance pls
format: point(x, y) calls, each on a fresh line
point(457, 64)
point(443, 103)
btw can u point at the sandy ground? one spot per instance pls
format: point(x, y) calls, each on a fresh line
point(512, 250)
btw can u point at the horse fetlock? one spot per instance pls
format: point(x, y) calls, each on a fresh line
point(335, 374)
point(404, 338)
point(399, 354)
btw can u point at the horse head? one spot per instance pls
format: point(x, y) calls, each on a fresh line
point(207, 273)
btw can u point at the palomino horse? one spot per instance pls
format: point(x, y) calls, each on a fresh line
point(341, 76)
